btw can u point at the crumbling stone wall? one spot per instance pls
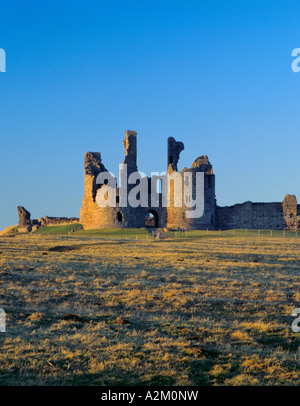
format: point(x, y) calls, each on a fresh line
point(28, 224)
point(57, 221)
point(248, 215)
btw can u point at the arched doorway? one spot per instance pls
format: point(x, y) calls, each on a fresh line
point(119, 217)
point(151, 219)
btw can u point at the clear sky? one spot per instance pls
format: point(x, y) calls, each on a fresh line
point(213, 74)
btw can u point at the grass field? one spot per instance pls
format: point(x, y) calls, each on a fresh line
point(144, 234)
point(61, 230)
point(123, 309)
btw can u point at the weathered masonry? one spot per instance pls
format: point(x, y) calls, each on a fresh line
point(283, 215)
point(26, 224)
point(272, 216)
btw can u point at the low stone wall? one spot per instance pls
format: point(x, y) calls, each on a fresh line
point(27, 225)
point(57, 221)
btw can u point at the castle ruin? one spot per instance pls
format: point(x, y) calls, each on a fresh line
point(282, 215)
point(273, 216)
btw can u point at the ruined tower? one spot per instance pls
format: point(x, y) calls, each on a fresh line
point(177, 216)
point(130, 145)
point(155, 212)
point(174, 149)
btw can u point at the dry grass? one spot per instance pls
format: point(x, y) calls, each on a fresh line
point(207, 311)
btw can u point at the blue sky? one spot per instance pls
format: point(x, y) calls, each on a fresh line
point(213, 74)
